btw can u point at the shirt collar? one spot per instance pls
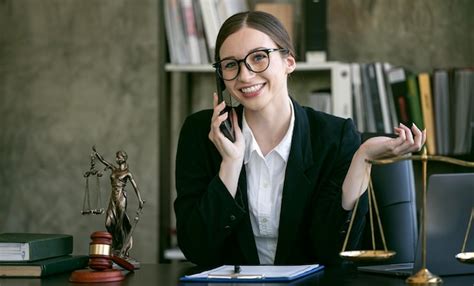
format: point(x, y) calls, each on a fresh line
point(283, 148)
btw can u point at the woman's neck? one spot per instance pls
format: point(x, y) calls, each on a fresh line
point(270, 125)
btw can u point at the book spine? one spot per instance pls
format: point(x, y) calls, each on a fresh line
point(357, 97)
point(367, 100)
point(191, 31)
point(427, 110)
point(463, 95)
point(391, 104)
point(47, 248)
point(60, 266)
point(398, 85)
point(387, 124)
point(374, 95)
point(413, 99)
point(441, 105)
point(314, 30)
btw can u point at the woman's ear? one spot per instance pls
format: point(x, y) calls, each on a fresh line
point(290, 64)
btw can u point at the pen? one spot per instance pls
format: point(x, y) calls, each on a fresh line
point(236, 269)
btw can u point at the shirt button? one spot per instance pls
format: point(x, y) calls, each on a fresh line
point(232, 217)
point(264, 220)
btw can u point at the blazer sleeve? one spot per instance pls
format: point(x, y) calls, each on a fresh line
point(329, 220)
point(206, 213)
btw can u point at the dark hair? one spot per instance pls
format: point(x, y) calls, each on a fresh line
point(258, 20)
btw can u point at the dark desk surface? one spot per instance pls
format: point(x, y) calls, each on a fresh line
point(168, 274)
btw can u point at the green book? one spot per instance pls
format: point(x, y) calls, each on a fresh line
point(413, 99)
point(33, 246)
point(43, 267)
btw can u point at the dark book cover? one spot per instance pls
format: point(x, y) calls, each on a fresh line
point(34, 246)
point(43, 267)
point(314, 29)
point(369, 71)
point(399, 89)
point(441, 98)
point(368, 115)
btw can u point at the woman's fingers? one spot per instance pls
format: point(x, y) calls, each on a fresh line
point(418, 139)
point(217, 119)
point(408, 134)
point(409, 142)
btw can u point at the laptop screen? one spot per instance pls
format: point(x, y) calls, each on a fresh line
point(450, 198)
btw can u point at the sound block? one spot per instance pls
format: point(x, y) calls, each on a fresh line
point(89, 275)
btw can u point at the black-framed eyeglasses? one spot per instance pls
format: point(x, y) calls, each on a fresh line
point(256, 61)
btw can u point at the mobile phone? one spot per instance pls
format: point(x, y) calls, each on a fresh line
point(226, 126)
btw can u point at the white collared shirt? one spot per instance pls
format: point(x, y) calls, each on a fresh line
point(265, 179)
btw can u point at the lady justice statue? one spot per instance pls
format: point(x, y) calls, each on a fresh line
point(117, 221)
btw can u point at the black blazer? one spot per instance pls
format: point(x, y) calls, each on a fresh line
point(214, 229)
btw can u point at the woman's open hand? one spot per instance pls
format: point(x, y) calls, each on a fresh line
point(406, 142)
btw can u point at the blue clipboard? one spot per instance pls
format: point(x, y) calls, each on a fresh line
point(254, 273)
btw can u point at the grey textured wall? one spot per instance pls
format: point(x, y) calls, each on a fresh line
point(73, 74)
point(418, 34)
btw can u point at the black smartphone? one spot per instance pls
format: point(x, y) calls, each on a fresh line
point(226, 126)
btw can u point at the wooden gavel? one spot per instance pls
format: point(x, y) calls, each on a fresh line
point(100, 261)
point(100, 251)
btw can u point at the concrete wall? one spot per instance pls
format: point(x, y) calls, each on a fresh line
point(74, 73)
point(420, 35)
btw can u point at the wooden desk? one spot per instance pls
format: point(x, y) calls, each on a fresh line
point(168, 274)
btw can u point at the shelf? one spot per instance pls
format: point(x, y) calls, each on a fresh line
point(340, 80)
point(300, 66)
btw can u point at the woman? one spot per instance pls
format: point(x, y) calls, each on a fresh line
point(117, 221)
point(283, 191)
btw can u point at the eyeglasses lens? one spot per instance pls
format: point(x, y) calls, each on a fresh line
point(257, 61)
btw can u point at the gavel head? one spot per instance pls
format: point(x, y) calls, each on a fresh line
point(100, 251)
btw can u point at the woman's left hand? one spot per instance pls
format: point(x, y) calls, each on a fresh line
point(406, 142)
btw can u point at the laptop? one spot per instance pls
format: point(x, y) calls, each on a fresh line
point(450, 199)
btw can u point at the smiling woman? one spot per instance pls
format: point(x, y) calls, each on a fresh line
point(282, 191)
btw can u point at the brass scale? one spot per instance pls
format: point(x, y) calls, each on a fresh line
point(423, 276)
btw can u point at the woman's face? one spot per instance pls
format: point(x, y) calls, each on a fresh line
point(120, 158)
point(257, 91)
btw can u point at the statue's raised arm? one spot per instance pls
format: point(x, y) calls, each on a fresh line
point(101, 159)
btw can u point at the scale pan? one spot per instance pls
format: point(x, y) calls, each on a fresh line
point(465, 257)
point(367, 255)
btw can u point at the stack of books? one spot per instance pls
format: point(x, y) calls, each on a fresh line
point(38, 254)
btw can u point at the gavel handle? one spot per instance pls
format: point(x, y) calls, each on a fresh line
point(123, 263)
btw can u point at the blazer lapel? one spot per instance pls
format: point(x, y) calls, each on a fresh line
point(245, 234)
